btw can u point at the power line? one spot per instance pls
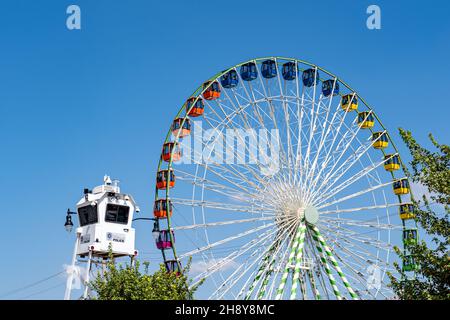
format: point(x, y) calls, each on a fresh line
point(31, 285)
point(43, 291)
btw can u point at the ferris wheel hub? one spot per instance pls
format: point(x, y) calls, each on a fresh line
point(311, 215)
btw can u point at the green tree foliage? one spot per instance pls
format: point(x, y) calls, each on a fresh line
point(129, 283)
point(432, 170)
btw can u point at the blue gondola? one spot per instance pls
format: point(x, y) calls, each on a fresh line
point(310, 77)
point(289, 71)
point(248, 71)
point(327, 87)
point(269, 69)
point(229, 79)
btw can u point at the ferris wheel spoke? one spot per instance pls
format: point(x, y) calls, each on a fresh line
point(221, 223)
point(223, 241)
point(360, 223)
point(343, 144)
point(355, 236)
point(357, 261)
point(231, 175)
point(277, 245)
point(312, 129)
point(241, 157)
point(262, 238)
point(355, 275)
point(321, 241)
point(327, 268)
point(321, 205)
point(240, 272)
point(344, 167)
point(363, 253)
point(360, 174)
point(347, 210)
point(324, 133)
point(213, 185)
point(257, 260)
point(221, 206)
point(336, 134)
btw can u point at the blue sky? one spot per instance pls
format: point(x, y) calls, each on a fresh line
point(78, 104)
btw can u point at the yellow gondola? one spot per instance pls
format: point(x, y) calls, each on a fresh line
point(391, 162)
point(366, 120)
point(349, 102)
point(380, 140)
point(401, 186)
point(406, 211)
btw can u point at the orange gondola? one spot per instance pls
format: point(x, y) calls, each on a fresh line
point(195, 108)
point(162, 177)
point(212, 91)
point(160, 208)
point(181, 126)
point(170, 148)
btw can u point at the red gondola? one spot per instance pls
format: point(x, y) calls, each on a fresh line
point(170, 148)
point(197, 107)
point(181, 126)
point(160, 208)
point(161, 179)
point(212, 91)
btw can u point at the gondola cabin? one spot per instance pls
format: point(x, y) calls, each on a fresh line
point(163, 241)
point(248, 71)
point(171, 149)
point(229, 79)
point(269, 69)
point(366, 119)
point(105, 215)
point(379, 140)
point(195, 108)
point(211, 90)
point(289, 71)
point(173, 266)
point(182, 127)
point(164, 176)
point(410, 237)
point(409, 263)
point(406, 211)
point(160, 208)
point(330, 87)
point(310, 77)
point(349, 102)
point(391, 162)
point(401, 186)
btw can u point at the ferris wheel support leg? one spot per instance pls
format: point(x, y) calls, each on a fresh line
point(318, 237)
point(313, 285)
point(298, 260)
point(88, 272)
point(259, 274)
point(72, 269)
point(327, 267)
point(265, 282)
point(288, 265)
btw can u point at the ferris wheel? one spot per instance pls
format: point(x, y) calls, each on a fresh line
point(280, 182)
